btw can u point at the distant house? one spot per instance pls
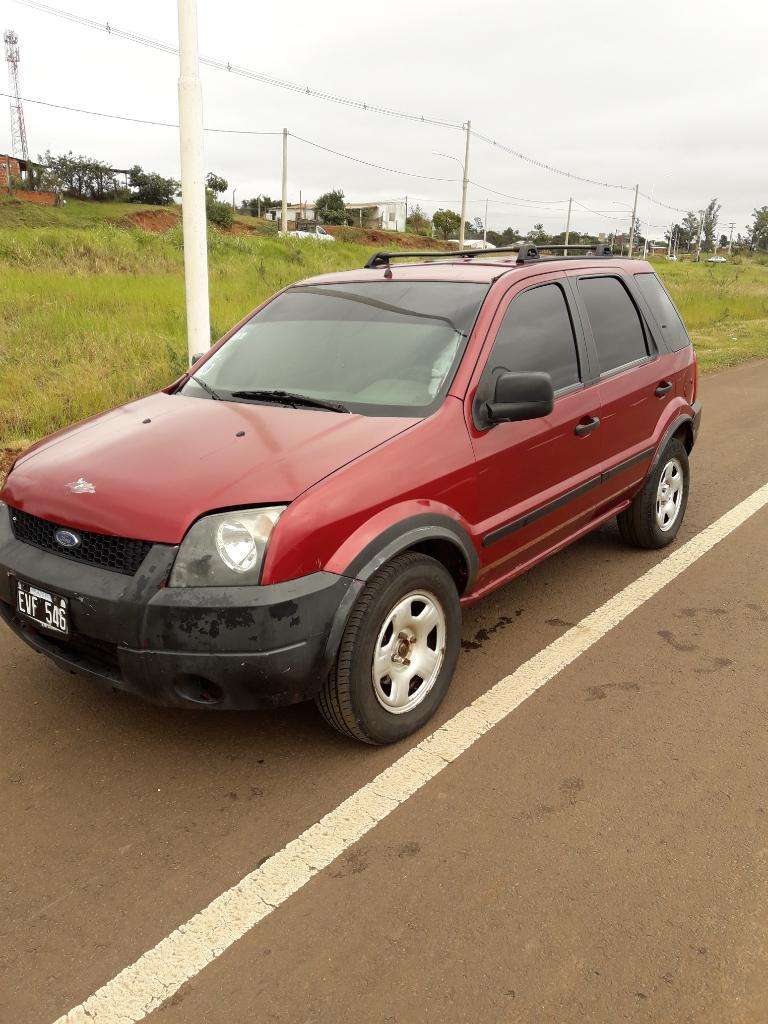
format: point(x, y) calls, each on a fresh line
point(14, 173)
point(389, 216)
point(11, 170)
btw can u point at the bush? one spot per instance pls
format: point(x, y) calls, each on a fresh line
point(217, 212)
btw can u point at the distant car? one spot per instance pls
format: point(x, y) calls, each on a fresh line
point(717, 259)
point(672, 259)
point(319, 234)
point(472, 243)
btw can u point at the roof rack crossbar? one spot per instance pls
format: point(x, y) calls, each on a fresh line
point(527, 252)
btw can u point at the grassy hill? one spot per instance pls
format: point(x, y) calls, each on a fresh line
point(92, 305)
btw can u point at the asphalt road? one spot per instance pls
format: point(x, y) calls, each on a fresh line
point(599, 856)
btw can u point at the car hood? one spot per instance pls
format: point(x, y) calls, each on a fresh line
point(149, 469)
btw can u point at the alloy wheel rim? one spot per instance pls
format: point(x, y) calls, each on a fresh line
point(669, 495)
point(409, 652)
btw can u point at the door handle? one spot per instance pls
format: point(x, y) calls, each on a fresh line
point(582, 429)
point(663, 388)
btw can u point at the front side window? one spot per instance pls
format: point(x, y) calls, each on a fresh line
point(384, 348)
point(536, 334)
point(618, 332)
point(664, 310)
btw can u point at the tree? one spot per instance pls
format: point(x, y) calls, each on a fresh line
point(215, 183)
point(330, 208)
point(152, 187)
point(80, 177)
point(446, 223)
point(504, 238)
point(759, 229)
point(710, 224)
point(259, 205)
point(538, 235)
point(418, 222)
point(689, 229)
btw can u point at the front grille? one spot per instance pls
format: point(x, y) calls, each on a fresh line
point(118, 554)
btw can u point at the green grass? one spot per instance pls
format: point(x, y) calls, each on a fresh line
point(92, 314)
point(725, 307)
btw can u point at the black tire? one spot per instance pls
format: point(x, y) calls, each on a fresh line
point(638, 524)
point(348, 701)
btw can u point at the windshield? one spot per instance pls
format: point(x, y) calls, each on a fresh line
point(383, 349)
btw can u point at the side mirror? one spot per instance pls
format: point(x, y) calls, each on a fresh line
point(520, 396)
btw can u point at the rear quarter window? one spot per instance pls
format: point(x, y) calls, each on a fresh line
point(664, 312)
point(616, 325)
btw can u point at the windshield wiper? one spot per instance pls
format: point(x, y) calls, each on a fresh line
point(289, 398)
point(207, 387)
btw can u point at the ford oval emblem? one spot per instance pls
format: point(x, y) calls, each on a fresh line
point(66, 539)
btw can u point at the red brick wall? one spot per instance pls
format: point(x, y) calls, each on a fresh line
point(5, 161)
point(41, 198)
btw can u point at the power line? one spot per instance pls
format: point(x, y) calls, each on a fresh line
point(320, 94)
point(236, 69)
point(519, 200)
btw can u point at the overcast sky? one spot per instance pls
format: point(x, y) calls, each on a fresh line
point(670, 93)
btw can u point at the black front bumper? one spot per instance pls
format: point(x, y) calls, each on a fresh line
point(213, 647)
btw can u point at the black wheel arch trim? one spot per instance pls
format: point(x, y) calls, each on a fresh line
point(679, 421)
point(410, 533)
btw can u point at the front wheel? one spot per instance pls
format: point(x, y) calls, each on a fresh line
point(656, 514)
point(398, 652)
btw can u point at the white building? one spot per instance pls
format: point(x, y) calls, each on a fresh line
point(387, 216)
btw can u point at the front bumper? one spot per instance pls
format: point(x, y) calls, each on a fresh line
point(213, 647)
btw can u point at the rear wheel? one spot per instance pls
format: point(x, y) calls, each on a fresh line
point(398, 652)
point(656, 514)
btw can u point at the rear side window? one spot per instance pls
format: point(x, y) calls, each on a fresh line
point(616, 325)
point(664, 310)
point(537, 334)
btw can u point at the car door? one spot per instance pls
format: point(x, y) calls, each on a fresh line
point(538, 480)
point(631, 376)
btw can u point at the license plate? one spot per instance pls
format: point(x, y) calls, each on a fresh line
point(47, 610)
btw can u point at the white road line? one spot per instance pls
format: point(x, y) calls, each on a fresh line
point(161, 971)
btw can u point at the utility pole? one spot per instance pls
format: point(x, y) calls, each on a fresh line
point(284, 206)
point(485, 224)
point(700, 233)
point(632, 225)
point(464, 184)
point(669, 241)
point(233, 200)
point(730, 238)
point(193, 184)
point(405, 228)
point(568, 225)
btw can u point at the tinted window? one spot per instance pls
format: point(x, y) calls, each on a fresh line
point(380, 348)
point(619, 335)
point(663, 309)
point(537, 334)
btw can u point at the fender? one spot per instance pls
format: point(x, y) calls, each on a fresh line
point(693, 418)
point(398, 528)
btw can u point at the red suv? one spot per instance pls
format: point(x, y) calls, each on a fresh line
point(303, 514)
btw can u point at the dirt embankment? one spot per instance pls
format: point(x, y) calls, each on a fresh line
point(156, 221)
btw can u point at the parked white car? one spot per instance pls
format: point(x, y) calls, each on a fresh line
point(717, 259)
point(472, 243)
point(319, 234)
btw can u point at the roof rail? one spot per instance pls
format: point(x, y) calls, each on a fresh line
point(527, 252)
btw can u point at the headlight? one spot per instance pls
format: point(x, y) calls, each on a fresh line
point(225, 549)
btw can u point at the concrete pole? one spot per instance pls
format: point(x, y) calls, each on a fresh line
point(730, 238)
point(464, 184)
point(700, 233)
point(568, 226)
point(193, 183)
point(632, 226)
point(485, 224)
point(284, 207)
